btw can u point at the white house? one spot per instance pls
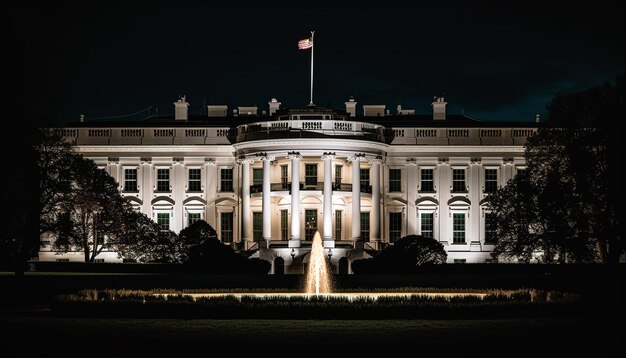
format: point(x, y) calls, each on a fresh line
point(363, 181)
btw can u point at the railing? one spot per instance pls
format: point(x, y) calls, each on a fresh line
point(298, 129)
point(255, 189)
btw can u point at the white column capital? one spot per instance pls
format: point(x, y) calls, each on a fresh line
point(294, 155)
point(328, 155)
point(377, 160)
point(246, 160)
point(265, 156)
point(356, 157)
point(411, 161)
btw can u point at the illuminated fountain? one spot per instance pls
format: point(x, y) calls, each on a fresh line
point(318, 276)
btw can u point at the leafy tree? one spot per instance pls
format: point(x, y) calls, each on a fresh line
point(202, 249)
point(92, 211)
point(143, 241)
point(406, 255)
point(571, 185)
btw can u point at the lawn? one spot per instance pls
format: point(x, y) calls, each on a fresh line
point(39, 334)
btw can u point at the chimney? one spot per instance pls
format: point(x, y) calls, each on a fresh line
point(247, 110)
point(351, 107)
point(374, 110)
point(274, 106)
point(439, 108)
point(180, 109)
point(537, 118)
point(217, 111)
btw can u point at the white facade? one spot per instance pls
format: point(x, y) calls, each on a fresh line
point(364, 181)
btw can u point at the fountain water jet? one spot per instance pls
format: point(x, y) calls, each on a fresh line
point(318, 277)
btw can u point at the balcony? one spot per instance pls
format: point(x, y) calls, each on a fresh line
point(256, 189)
point(313, 129)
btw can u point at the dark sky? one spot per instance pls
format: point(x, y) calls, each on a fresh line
point(496, 61)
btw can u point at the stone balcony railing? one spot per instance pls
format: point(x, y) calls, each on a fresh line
point(297, 129)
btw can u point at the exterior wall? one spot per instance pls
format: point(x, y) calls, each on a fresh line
point(207, 149)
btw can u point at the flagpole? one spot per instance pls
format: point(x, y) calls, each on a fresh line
point(312, 48)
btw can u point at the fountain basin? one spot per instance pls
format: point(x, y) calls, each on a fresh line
point(347, 295)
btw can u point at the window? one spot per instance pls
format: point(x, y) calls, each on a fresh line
point(310, 224)
point(98, 261)
point(428, 180)
point(226, 227)
point(163, 180)
point(257, 226)
point(257, 177)
point(193, 217)
point(458, 181)
point(459, 261)
point(458, 228)
point(130, 179)
point(490, 228)
point(338, 170)
point(395, 227)
point(365, 180)
point(284, 225)
point(426, 225)
point(310, 174)
point(195, 182)
point(284, 176)
point(163, 219)
point(491, 180)
point(338, 224)
point(62, 260)
point(226, 180)
point(365, 226)
point(521, 172)
point(395, 180)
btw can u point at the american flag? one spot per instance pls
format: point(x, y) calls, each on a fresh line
point(305, 44)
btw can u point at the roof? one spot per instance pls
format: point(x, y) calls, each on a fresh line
point(389, 121)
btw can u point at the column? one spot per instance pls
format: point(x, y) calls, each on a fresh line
point(294, 240)
point(356, 196)
point(375, 218)
point(411, 196)
point(267, 210)
point(246, 212)
point(327, 233)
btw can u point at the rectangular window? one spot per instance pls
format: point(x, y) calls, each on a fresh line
point(521, 172)
point(427, 180)
point(490, 228)
point(195, 181)
point(130, 180)
point(338, 170)
point(226, 227)
point(395, 227)
point(395, 180)
point(163, 180)
point(193, 217)
point(310, 224)
point(491, 180)
point(458, 181)
point(459, 261)
point(163, 219)
point(257, 226)
point(226, 180)
point(458, 228)
point(338, 224)
point(284, 225)
point(310, 174)
point(426, 225)
point(365, 180)
point(365, 226)
point(257, 177)
point(284, 176)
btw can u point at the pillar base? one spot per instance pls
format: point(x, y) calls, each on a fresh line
point(265, 244)
point(329, 243)
point(294, 243)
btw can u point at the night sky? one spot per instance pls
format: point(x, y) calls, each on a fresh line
point(494, 62)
